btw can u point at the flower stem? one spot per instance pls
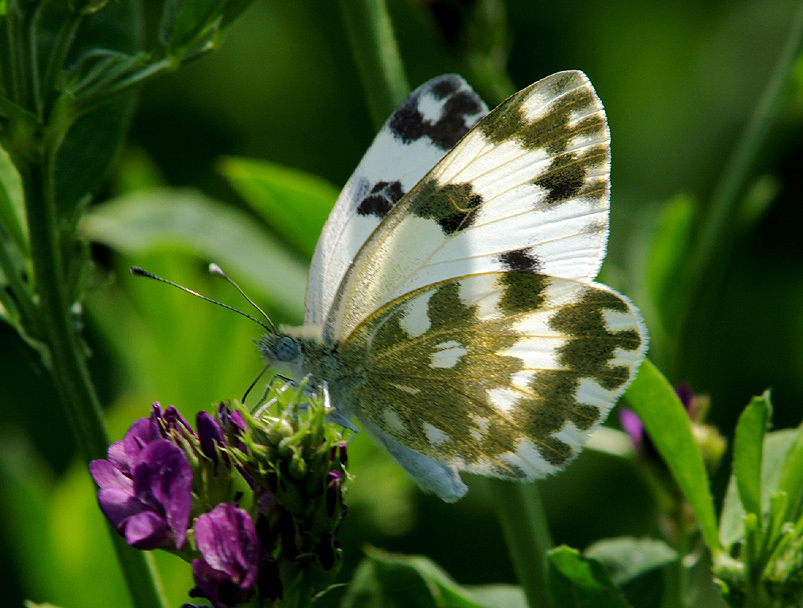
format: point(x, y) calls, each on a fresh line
point(66, 361)
point(376, 54)
point(527, 536)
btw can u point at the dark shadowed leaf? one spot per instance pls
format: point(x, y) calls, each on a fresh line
point(576, 581)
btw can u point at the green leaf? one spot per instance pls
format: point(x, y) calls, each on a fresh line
point(498, 596)
point(777, 446)
point(747, 450)
point(12, 203)
point(636, 567)
point(654, 400)
point(294, 203)
point(142, 221)
point(386, 579)
point(91, 145)
point(628, 558)
point(576, 581)
point(189, 27)
point(791, 478)
point(102, 69)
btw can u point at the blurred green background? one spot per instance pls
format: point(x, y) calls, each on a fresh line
point(679, 80)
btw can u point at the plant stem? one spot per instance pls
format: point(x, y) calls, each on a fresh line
point(527, 536)
point(713, 236)
point(376, 54)
point(66, 362)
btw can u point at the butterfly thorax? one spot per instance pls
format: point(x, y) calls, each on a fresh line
point(302, 351)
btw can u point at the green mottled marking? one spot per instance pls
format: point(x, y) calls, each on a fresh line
point(522, 293)
point(451, 399)
point(587, 354)
point(380, 361)
point(452, 206)
point(594, 345)
point(552, 131)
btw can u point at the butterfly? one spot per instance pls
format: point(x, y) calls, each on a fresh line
point(450, 302)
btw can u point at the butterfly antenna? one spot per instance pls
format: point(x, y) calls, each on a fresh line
point(218, 272)
point(139, 272)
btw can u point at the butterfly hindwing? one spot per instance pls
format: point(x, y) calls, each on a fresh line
point(500, 373)
point(526, 190)
point(428, 123)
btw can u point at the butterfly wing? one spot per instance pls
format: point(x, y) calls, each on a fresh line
point(502, 374)
point(526, 190)
point(428, 123)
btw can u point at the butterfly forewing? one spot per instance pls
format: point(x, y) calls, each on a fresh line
point(429, 122)
point(524, 191)
point(503, 374)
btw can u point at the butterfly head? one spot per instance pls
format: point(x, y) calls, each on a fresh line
point(279, 348)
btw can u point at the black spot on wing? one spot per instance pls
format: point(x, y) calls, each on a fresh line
point(564, 179)
point(521, 260)
point(381, 199)
point(443, 86)
point(453, 206)
point(409, 124)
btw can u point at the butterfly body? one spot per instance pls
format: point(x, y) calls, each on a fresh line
point(450, 305)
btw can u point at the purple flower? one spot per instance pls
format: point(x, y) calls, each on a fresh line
point(338, 452)
point(145, 488)
point(233, 426)
point(227, 540)
point(211, 438)
point(632, 425)
point(333, 491)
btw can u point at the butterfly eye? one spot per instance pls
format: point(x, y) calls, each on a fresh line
point(286, 349)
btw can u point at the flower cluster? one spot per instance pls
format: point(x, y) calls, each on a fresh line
point(253, 501)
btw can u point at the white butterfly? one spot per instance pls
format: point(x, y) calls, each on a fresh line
point(450, 304)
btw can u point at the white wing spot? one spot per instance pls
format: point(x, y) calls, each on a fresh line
point(393, 422)
point(478, 434)
point(415, 320)
point(618, 321)
point(412, 390)
point(448, 354)
point(502, 399)
point(435, 436)
point(430, 107)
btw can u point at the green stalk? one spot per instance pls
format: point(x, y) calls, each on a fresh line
point(521, 514)
point(713, 236)
point(67, 364)
point(376, 54)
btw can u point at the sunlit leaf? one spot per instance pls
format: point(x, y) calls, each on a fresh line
point(747, 450)
point(184, 219)
point(12, 203)
point(654, 400)
point(294, 203)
